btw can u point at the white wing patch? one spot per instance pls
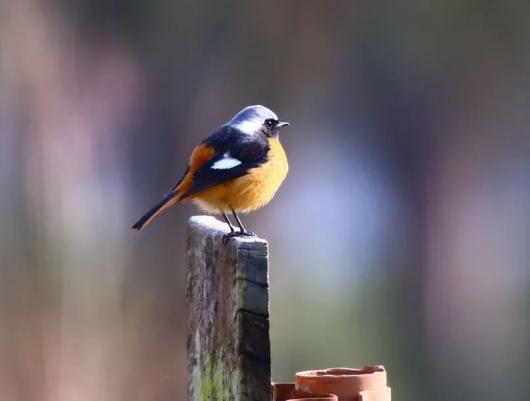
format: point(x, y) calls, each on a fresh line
point(226, 163)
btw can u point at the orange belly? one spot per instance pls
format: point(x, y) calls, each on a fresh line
point(250, 192)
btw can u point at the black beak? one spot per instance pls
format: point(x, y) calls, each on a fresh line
point(282, 124)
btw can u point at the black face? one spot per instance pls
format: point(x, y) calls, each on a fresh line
point(271, 127)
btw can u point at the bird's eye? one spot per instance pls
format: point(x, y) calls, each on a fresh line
point(270, 123)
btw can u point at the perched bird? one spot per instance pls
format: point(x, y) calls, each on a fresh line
point(238, 168)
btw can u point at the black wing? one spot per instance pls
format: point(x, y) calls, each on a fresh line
point(250, 150)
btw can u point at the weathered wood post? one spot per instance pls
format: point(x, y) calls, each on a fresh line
point(228, 315)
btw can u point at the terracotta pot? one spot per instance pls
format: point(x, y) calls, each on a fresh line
point(287, 392)
point(367, 384)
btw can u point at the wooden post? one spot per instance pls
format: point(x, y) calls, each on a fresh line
point(228, 315)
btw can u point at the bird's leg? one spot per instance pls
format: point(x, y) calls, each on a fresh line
point(232, 233)
point(242, 230)
point(228, 222)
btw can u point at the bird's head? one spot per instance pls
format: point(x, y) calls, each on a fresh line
point(253, 120)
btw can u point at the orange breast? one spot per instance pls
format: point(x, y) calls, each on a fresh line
point(250, 192)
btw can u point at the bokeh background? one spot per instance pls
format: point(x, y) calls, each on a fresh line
point(401, 236)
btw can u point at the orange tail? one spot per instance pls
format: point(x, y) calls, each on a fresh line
point(170, 199)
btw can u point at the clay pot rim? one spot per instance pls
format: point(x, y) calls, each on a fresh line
point(343, 372)
point(313, 396)
point(282, 387)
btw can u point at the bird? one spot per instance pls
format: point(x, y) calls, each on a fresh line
point(236, 169)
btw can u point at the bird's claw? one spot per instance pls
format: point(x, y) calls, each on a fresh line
point(233, 234)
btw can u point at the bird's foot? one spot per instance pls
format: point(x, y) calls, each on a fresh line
point(233, 234)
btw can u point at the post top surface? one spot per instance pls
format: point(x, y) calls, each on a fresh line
point(214, 227)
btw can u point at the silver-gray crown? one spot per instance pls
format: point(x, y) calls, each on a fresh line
point(251, 119)
point(256, 112)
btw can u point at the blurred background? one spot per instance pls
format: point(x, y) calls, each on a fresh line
point(401, 236)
